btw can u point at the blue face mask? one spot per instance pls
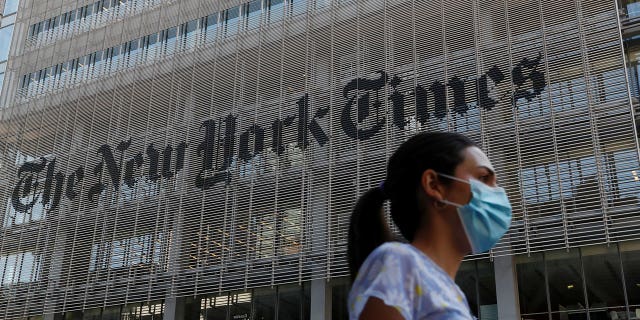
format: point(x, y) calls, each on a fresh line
point(487, 216)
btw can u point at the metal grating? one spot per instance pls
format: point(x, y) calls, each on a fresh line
point(234, 163)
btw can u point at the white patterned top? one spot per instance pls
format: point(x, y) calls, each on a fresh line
point(405, 278)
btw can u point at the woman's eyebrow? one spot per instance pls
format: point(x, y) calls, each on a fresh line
point(491, 172)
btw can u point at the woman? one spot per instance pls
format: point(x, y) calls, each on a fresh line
point(445, 202)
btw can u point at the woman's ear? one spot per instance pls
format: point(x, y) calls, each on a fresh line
point(431, 185)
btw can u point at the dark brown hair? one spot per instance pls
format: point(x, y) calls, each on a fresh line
point(439, 151)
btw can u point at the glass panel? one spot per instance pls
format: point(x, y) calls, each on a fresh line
point(289, 303)
point(290, 227)
point(603, 276)
point(264, 301)
point(322, 3)
point(111, 313)
point(339, 297)
point(571, 315)
point(232, 18)
point(276, 10)
point(1, 81)
point(615, 313)
point(98, 63)
point(152, 45)
point(565, 280)
point(190, 30)
point(254, 9)
point(8, 20)
point(170, 40)
point(211, 27)
point(5, 42)
point(153, 310)
point(539, 316)
point(214, 307)
point(115, 59)
point(297, 7)
point(240, 305)
point(630, 252)
point(91, 314)
point(633, 9)
point(133, 52)
point(10, 6)
point(73, 315)
point(487, 290)
point(467, 281)
point(531, 284)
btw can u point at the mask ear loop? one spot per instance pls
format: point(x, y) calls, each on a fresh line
point(447, 202)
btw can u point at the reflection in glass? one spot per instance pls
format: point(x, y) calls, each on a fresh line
point(339, 296)
point(111, 313)
point(10, 6)
point(565, 280)
point(289, 302)
point(214, 307)
point(630, 252)
point(264, 301)
point(603, 276)
point(531, 284)
point(5, 42)
point(487, 290)
point(92, 314)
point(467, 281)
point(240, 305)
point(570, 315)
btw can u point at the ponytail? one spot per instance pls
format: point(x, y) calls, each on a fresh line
point(440, 151)
point(367, 228)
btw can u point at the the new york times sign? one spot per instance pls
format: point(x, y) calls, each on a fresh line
point(219, 137)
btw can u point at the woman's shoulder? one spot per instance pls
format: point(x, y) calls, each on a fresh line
point(392, 255)
point(395, 250)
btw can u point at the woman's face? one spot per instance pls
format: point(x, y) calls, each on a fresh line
point(476, 165)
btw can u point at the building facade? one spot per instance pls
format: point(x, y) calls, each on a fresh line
point(165, 159)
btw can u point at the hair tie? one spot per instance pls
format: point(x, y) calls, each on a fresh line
point(381, 188)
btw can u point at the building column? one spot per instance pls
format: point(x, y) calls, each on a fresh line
point(320, 300)
point(506, 288)
point(173, 309)
point(55, 273)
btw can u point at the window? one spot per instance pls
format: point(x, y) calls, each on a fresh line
point(152, 46)
point(633, 8)
point(133, 50)
point(232, 17)
point(297, 7)
point(531, 284)
point(252, 12)
point(276, 10)
point(322, 4)
point(6, 34)
point(19, 268)
point(8, 20)
point(115, 59)
point(10, 6)
point(98, 63)
point(14, 218)
point(143, 311)
point(211, 27)
point(188, 34)
point(265, 236)
point(137, 250)
point(290, 230)
point(169, 40)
